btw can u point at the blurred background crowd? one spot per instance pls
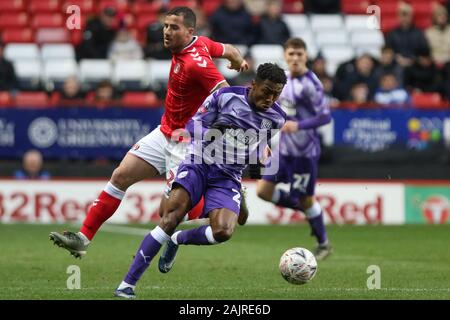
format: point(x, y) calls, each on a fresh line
point(399, 57)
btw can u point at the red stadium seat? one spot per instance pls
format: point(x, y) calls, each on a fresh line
point(210, 6)
point(388, 24)
point(148, 8)
point(52, 35)
point(140, 100)
point(5, 99)
point(119, 5)
point(13, 20)
point(17, 35)
point(12, 5)
point(426, 100)
point(145, 19)
point(76, 36)
point(86, 6)
point(354, 7)
point(48, 20)
point(39, 6)
point(35, 99)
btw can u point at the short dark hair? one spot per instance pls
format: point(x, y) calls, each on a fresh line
point(271, 72)
point(189, 19)
point(296, 43)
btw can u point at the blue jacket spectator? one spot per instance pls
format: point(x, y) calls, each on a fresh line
point(32, 167)
point(272, 28)
point(389, 93)
point(232, 23)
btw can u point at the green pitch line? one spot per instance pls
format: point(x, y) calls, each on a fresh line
point(414, 263)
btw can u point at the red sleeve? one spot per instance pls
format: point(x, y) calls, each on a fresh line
point(216, 49)
point(206, 74)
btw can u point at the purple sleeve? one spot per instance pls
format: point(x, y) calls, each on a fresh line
point(323, 115)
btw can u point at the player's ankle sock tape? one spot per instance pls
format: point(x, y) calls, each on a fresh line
point(114, 191)
point(159, 235)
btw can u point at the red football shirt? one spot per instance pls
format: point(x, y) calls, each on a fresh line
point(192, 77)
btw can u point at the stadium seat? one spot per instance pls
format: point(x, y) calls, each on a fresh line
point(223, 69)
point(120, 5)
point(52, 35)
point(326, 21)
point(20, 51)
point(56, 71)
point(375, 52)
point(367, 38)
point(19, 35)
point(47, 20)
point(337, 54)
point(87, 7)
point(356, 22)
point(143, 20)
point(5, 99)
point(145, 7)
point(57, 51)
point(29, 73)
point(13, 20)
point(12, 6)
point(159, 72)
point(209, 7)
point(307, 36)
point(354, 7)
point(33, 100)
point(140, 99)
point(426, 100)
point(270, 52)
point(331, 37)
point(39, 6)
point(297, 22)
point(92, 71)
point(131, 74)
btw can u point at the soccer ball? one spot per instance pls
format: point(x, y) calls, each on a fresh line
point(298, 265)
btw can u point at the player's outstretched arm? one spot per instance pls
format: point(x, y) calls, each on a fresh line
point(237, 62)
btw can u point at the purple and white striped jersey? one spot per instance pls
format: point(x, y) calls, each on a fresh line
point(304, 101)
point(230, 133)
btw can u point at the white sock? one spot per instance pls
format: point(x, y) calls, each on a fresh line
point(275, 196)
point(114, 191)
point(314, 211)
point(209, 235)
point(159, 235)
point(174, 237)
point(124, 285)
point(86, 241)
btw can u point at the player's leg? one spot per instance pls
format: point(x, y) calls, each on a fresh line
point(144, 160)
point(178, 204)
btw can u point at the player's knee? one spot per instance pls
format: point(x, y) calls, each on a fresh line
point(121, 179)
point(306, 203)
point(263, 193)
point(169, 222)
point(222, 234)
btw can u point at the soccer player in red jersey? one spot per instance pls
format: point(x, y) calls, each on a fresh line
point(193, 76)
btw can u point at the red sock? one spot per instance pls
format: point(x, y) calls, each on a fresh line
point(197, 210)
point(100, 211)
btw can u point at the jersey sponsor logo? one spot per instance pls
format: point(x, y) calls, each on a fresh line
point(182, 174)
point(177, 68)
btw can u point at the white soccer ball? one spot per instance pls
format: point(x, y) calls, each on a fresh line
point(298, 265)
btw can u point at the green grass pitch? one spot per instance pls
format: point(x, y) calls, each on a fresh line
point(414, 263)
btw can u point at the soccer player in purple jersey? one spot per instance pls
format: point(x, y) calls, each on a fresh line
point(306, 108)
point(230, 130)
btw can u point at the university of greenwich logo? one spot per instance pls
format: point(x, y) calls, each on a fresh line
point(43, 132)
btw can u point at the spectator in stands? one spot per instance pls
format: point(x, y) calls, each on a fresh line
point(319, 66)
point(8, 79)
point(71, 92)
point(232, 23)
point(245, 78)
point(406, 39)
point(98, 35)
point(327, 83)
point(438, 36)
point(389, 92)
point(125, 47)
point(202, 27)
point(272, 28)
point(322, 6)
point(105, 95)
point(32, 167)
point(359, 70)
point(359, 94)
point(423, 75)
point(446, 77)
point(154, 47)
point(389, 65)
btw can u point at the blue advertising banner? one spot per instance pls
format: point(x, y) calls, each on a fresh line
point(75, 133)
point(376, 130)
